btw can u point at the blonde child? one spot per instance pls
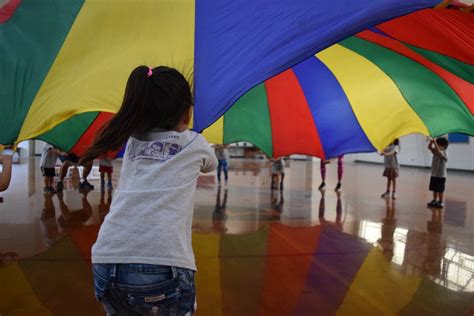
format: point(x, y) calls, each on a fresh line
point(143, 261)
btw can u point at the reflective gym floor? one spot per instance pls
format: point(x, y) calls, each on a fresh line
point(261, 252)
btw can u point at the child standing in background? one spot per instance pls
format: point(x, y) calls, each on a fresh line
point(222, 155)
point(48, 160)
point(278, 171)
point(106, 166)
point(143, 260)
point(391, 165)
point(340, 172)
point(438, 170)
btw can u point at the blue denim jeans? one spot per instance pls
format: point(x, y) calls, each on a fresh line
point(222, 166)
point(144, 289)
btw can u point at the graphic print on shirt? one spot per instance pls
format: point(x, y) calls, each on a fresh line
point(156, 150)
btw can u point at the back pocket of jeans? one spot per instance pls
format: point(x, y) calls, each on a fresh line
point(155, 299)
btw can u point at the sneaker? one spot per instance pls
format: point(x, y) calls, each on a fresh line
point(86, 186)
point(394, 196)
point(432, 203)
point(439, 204)
point(50, 190)
point(60, 186)
point(386, 194)
point(338, 187)
point(322, 186)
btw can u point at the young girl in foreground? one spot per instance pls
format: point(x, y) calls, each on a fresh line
point(143, 261)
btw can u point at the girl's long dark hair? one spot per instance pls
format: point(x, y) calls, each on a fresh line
point(156, 101)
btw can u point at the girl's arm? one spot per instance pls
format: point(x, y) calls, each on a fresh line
point(210, 159)
point(390, 153)
point(210, 163)
point(441, 152)
point(436, 149)
point(58, 151)
point(6, 174)
point(431, 146)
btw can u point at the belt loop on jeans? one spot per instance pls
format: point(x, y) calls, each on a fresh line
point(113, 271)
point(174, 271)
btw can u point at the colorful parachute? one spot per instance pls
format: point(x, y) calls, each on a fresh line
point(299, 266)
point(61, 59)
point(413, 74)
point(409, 75)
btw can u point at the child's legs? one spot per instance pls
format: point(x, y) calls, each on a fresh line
point(340, 168)
point(441, 189)
point(48, 174)
point(322, 168)
point(50, 181)
point(219, 170)
point(388, 183)
point(102, 177)
point(437, 185)
point(86, 170)
point(394, 184)
point(109, 176)
point(224, 166)
point(274, 178)
point(64, 169)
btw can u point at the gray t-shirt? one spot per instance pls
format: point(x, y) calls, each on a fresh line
point(278, 166)
point(106, 162)
point(222, 153)
point(48, 157)
point(438, 165)
point(151, 213)
point(391, 161)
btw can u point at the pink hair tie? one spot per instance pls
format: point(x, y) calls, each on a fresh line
point(150, 72)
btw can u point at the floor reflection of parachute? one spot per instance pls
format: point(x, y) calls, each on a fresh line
point(354, 96)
